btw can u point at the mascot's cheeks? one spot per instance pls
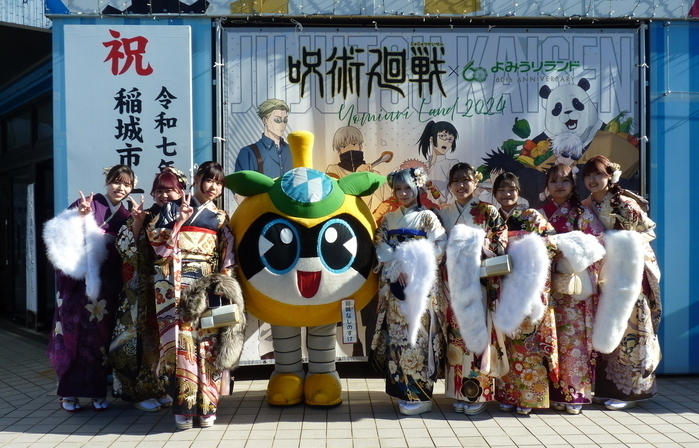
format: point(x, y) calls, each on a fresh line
point(309, 283)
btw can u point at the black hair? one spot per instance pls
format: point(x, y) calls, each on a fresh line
point(430, 132)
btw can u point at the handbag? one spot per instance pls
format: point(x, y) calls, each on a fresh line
point(219, 315)
point(496, 266)
point(569, 284)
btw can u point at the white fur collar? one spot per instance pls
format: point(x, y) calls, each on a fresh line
point(620, 284)
point(467, 300)
point(520, 293)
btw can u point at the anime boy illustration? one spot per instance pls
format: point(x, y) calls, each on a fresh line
point(270, 155)
point(348, 143)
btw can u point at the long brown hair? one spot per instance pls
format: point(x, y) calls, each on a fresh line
point(601, 164)
point(563, 171)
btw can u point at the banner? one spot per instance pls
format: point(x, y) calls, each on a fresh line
point(128, 101)
point(517, 100)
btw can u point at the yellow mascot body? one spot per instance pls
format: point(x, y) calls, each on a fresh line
point(304, 244)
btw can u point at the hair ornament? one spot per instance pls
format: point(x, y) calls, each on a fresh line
point(106, 170)
point(181, 176)
point(616, 175)
point(478, 176)
point(419, 176)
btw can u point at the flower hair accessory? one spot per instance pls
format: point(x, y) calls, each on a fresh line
point(419, 176)
point(616, 175)
point(478, 176)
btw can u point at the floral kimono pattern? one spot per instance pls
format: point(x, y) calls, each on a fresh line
point(201, 246)
point(621, 374)
point(82, 329)
point(574, 318)
point(463, 377)
point(134, 350)
point(533, 352)
point(410, 370)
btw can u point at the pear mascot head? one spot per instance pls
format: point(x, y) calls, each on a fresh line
point(304, 241)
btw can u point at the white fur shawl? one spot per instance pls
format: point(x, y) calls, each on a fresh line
point(77, 246)
point(580, 251)
point(417, 262)
point(620, 284)
point(467, 302)
point(520, 293)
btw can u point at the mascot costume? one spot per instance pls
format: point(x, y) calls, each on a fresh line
point(305, 248)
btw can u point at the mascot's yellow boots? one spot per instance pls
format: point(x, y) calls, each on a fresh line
point(285, 389)
point(322, 389)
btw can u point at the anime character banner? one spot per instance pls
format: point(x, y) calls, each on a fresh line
point(124, 103)
point(518, 100)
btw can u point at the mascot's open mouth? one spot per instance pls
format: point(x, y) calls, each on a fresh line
point(572, 124)
point(308, 283)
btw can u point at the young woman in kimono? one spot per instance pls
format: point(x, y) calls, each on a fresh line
point(191, 240)
point(626, 375)
point(574, 317)
point(134, 349)
point(469, 378)
point(80, 245)
point(409, 339)
point(532, 352)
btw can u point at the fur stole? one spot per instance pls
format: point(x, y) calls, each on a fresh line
point(580, 251)
point(521, 290)
point(464, 251)
point(620, 284)
point(194, 302)
point(76, 246)
point(418, 263)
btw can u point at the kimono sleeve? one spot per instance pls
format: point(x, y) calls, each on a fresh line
point(435, 233)
point(632, 217)
point(495, 231)
point(163, 230)
point(225, 245)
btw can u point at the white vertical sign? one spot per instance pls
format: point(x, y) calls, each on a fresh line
point(128, 101)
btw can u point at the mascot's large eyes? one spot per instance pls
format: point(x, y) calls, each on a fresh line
point(279, 246)
point(578, 105)
point(337, 245)
point(557, 109)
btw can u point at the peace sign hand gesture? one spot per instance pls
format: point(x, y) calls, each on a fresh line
point(137, 211)
point(186, 210)
point(85, 204)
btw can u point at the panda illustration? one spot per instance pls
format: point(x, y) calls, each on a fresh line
point(570, 113)
point(570, 109)
point(304, 244)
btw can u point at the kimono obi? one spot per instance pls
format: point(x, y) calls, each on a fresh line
point(403, 235)
point(197, 243)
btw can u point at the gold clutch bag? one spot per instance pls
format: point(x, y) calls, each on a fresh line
point(496, 266)
point(566, 283)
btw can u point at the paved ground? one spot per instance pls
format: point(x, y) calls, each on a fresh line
point(30, 417)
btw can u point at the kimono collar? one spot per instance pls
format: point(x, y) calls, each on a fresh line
point(505, 215)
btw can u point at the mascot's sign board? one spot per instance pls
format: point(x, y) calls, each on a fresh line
point(502, 100)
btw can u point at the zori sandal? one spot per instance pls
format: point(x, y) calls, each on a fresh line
point(70, 404)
